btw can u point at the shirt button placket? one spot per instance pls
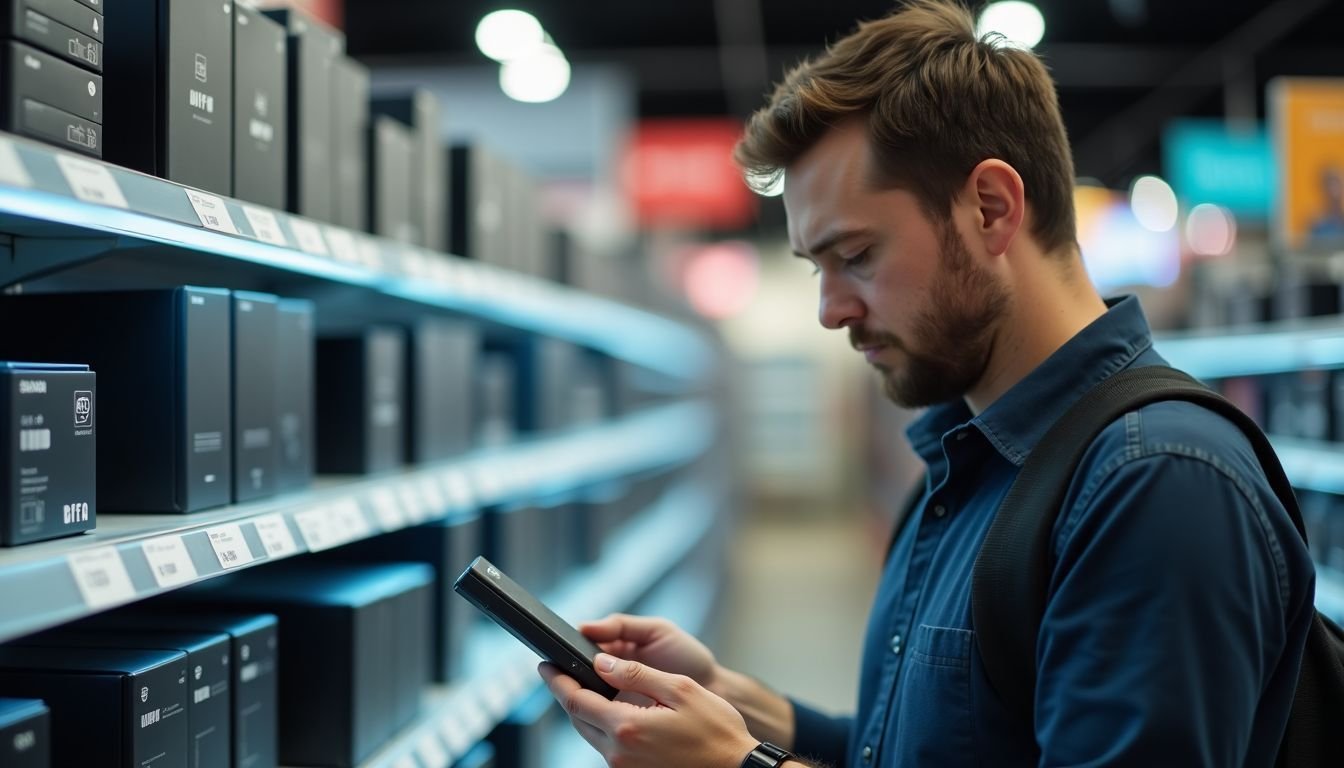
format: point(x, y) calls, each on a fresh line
point(939, 511)
point(896, 644)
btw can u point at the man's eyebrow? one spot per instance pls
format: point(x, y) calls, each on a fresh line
point(831, 240)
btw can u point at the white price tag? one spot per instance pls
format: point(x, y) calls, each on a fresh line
point(91, 181)
point(413, 263)
point(318, 528)
point(387, 510)
point(12, 171)
point(405, 761)
point(101, 577)
point(457, 488)
point(411, 503)
point(433, 496)
point(266, 226)
point(454, 735)
point(229, 545)
point(342, 245)
point(169, 561)
point(496, 698)
point(430, 752)
point(211, 211)
point(275, 536)
point(370, 255)
point(309, 237)
point(350, 520)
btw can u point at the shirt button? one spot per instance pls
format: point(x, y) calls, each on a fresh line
point(867, 754)
point(939, 511)
point(962, 435)
point(895, 643)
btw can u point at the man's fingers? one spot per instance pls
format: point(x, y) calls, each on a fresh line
point(639, 630)
point(578, 702)
point(666, 689)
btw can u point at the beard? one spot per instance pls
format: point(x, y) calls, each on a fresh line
point(953, 333)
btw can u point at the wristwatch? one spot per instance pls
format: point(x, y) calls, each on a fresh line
point(767, 755)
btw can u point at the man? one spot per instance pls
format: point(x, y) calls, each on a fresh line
point(929, 181)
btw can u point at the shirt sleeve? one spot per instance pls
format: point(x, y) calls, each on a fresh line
point(1166, 618)
point(820, 738)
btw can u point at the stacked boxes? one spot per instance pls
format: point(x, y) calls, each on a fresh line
point(295, 461)
point(419, 110)
point(260, 108)
point(254, 387)
point(361, 401)
point(439, 374)
point(25, 734)
point(391, 163)
point(350, 143)
point(51, 88)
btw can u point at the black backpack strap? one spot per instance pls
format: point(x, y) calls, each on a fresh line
point(1011, 574)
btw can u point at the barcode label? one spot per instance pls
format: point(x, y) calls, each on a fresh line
point(34, 440)
point(266, 226)
point(318, 529)
point(12, 171)
point(430, 752)
point(230, 547)
point(342, 245)
point(411, 503)
point(350, 520)
point(433, 496)
point(169, 561)
point(387, 510)
point(101, 577)
point(309, 237)
point(211, 211)
point(275, 536)
point(91, 181)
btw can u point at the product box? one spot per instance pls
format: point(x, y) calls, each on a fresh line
point(209, 710)
point(25, 734)
point(48, 487)
point(110, 708)
point(520, 740)
point(295, 352)
point(361, 401)
point(313, 49)
point(260, 108)
point(169, 76)
point(516, 537)
point(19, 21)
point(254, 389)
point(429, 182)
point(440, 371)
point(52, 100)
point(496, 400)
point(350, 142)
point(448, 545)
point(163, 362)
point(391, 159)
point(83, 17)
point(342, 689)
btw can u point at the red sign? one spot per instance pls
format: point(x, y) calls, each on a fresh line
point(680, 173)
point(330, 11)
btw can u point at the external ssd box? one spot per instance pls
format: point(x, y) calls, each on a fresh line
point(48, 414)
point(254, 388)
point(439, 374)
point(429, 181)
point(37, 76)
point(350, 144)
point(391, 153)
point(83, 17)
point(162, 358)
point(25, 734)
point(361, 401)
point(110, 708)
point(21, 22)
point(526, 618)
point(294, 395)
point(260, 108)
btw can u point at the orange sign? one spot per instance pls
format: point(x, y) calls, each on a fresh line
point(680, 173)
point(1308, 125)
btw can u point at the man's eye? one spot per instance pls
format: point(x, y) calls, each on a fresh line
point(858, 259)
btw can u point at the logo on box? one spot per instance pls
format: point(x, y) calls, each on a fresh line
point(201, 63)
point(83, 408)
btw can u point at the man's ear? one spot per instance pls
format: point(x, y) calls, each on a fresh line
point(995, 190)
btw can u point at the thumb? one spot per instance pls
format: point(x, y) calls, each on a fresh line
point(667, 689)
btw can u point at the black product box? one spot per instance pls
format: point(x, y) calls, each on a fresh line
point(520, 740)
point(22, 22)
point(429, 183)
point(476, 205)
point(361, 401)
point(208, 681)
point(170, 90)
point(25, 734)
point(163, 362)
point(110, 708)
point(448, 545)
point(260, 108)
point(350, 143)
point(440, 373)
point(342, 689)
point(294, 394)
point(51, 100)
point(313, 48)
point(495, 397)
point(49, 484)
point(480, 756)
point(516, 539)
point(254, 394)
point(83, 17)
point(391, 157)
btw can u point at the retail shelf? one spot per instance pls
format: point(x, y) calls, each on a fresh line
point(1330, 592)
point(458, 716)
point(130, 557)
point(1312, 465)
point(63, 210)
point(1257, 350)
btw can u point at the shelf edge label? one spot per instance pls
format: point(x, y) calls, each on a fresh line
point(309, 237)
point(266, 225)
point(101, 577)
point(230, 547)
point(275, 536)
point(318, 528)
point(169, 561)
point(211, 211)
point(91, 181)
point(343, 246)
point(12, 171)
point(430, 752)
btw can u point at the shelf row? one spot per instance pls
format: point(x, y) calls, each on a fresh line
point(1280, 347)
point(131, 557)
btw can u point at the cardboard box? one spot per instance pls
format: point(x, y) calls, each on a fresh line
point(361, 401)
point(254, 395)
point(163, 362)
point(419, 110)
point(49, 416)
point(25, 733)
point(295, 350)
point(440, 372)
point(391, 168)
point(350, 142)
point(20, 22)
point(110, 708)
point(260, 108)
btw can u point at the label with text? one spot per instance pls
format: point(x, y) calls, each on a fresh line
point(212, 211)
point(275, 536)
point(91, 181)
point(230, 547)
point(101, 577)
point(169, 561)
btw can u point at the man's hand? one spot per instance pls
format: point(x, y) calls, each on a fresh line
point(656, 642)
point(685, 726)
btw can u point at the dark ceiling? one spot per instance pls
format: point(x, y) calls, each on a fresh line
point(1124, 67)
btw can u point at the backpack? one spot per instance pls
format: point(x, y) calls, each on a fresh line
point(1010, 578)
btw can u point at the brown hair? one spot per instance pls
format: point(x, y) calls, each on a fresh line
point(937, 101)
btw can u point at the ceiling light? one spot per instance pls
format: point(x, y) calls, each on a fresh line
point(540, 76)
point(505, 35)
point(1020, 23)
point(1154, 203)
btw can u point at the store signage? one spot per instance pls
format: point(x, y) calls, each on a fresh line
point(1213, 161)
point(1308, 126)
point(679, 173)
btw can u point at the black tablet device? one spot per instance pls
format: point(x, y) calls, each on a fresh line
point(526, 618)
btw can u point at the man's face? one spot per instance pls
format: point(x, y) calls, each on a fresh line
point(915, 301)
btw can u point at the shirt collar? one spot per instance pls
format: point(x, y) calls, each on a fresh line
point(1017, 421)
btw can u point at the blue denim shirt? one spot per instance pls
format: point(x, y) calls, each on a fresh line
point(1178, 604)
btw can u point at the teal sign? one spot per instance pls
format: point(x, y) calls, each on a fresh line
point(1206, 161)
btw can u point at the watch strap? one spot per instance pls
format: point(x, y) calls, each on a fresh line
point(766, 755)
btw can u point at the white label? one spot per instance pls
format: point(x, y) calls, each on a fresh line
point(318, 528)
point(211, 211)
point(433, 496)
point(342, 245)
point(405, 761)
point(411, 503)
point(91, 181)
point(309, 237)
point(496, 697)
point(169, 561)
point(229, 546)
point(370, 255)
point(275, 536)
point(458, 489)
point(430, 752)
point(454, 734)
point(12, 171)
point(350, 520)
point(101, 577)
point(387, 510)
point(266, 226)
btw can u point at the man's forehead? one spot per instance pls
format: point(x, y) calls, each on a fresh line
point(819, 184)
